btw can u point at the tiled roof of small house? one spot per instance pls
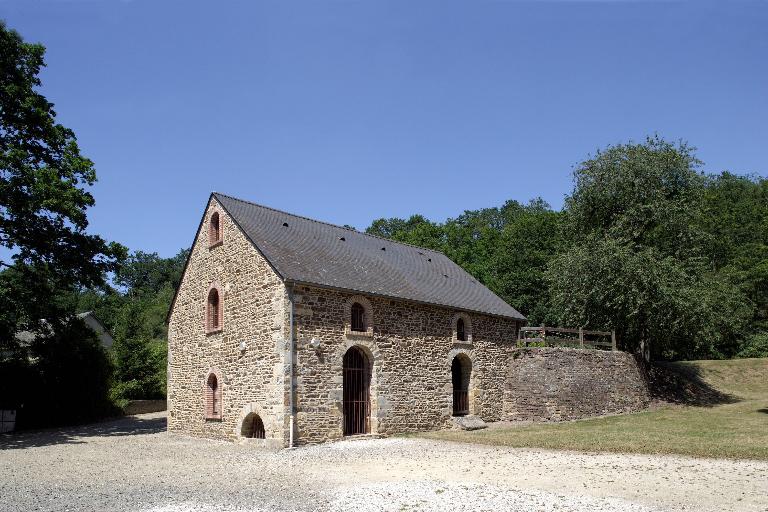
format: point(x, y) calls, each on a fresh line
point(307, 251)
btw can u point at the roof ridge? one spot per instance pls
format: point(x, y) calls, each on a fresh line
point(327, 223)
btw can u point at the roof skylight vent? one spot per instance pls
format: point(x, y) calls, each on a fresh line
point(383, 248)
point(342, 239)
point(285, 224)
point(429, 259)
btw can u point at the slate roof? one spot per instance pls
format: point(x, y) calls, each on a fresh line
point(307, 251)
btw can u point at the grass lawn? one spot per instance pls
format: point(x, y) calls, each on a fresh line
point(733, 430)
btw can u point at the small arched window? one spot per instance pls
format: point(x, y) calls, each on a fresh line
point(213, 311)
point(461, 324)
point(212, 397)
point(358, 317)
point(214, 230)
point(461, 333)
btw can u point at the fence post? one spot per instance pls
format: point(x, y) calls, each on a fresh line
point(581, 337)
point(613, 341)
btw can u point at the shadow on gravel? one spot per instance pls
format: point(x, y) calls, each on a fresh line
point(683, 384)
point(127, 426)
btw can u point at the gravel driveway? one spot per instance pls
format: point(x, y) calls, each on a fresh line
point(132, 464)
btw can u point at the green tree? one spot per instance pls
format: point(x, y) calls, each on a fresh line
point(139, 369)
point(651, 300)
point(638, 255)
point(147, 273)
point(134, 311)
point(505, 248)
point(47, 253)
point(737, 218)
point(647, 195)
point(416, 230)
point(530, 239)
point(43, 199)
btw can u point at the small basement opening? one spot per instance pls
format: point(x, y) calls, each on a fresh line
point(253, 427)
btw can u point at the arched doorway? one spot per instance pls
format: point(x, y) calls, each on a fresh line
point(461, 369)
point(357, 395)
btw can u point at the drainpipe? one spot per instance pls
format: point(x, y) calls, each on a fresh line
point(291, 350)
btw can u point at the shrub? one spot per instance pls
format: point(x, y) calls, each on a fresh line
point(755, 346)
point(62, 378)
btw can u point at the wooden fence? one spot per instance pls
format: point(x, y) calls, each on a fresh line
point(563, 337)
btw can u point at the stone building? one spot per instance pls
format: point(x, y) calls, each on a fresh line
point(290, 331)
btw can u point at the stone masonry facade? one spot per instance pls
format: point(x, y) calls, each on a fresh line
point(410, 346)
point(253, 311)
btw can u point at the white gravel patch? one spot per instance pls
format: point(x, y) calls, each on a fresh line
point(428, 496)
point(132, 464)
point(196, 507)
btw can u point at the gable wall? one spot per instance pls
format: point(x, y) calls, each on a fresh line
point(412, 349)
point(254, 305)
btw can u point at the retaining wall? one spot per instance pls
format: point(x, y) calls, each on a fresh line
point(145, 406)
point(556, 384)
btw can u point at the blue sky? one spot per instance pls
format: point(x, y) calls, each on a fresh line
point(347, 111)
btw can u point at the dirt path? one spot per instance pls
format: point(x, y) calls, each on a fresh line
point(132, 464)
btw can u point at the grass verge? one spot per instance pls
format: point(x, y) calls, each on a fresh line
point(733, 430)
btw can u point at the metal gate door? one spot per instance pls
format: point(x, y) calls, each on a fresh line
point(357, 380)
point(460, 378)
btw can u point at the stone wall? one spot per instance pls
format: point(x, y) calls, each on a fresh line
point(254, 304)
point(144, 406)
point(411, 347)
point(555, 384)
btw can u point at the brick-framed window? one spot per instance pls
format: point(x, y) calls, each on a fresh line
point(212, 395)
point(214, 310)
point(215, 232)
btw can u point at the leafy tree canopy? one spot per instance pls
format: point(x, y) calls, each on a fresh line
point(638, 255)
point(134, 312)
point(43, 199)
point(505, 248)
point(674, 260)
point(649, 195)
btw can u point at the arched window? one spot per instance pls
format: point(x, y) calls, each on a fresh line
point(214, 229)
point(212, 397)
point(461, 333)
point(213, 311)
point(461, 325)
point(358, 317)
